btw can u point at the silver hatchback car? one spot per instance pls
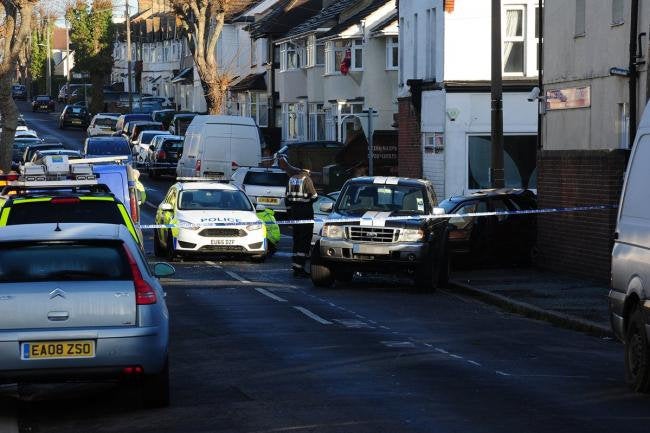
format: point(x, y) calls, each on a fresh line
point(79, 302)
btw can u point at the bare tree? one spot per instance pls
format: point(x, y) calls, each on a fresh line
point(203, 22)
point(15, 27)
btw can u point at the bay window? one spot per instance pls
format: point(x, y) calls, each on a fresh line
point(316, 122)
point(291, 56)
point(315, 52)
point(293, 116)
point(357, 55)
point(334, 55)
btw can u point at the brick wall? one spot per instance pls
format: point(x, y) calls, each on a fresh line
point(409, 142)
point(578, 243)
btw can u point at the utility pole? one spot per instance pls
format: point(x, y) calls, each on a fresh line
point(371, 145)
point(49, 61)
point(67, 57)
point(128, 55)
point(497, 178)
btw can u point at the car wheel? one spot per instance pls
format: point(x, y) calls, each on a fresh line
point(157, 248)
point(169, 241)
point(321, 274)
point(637, 354)
point(155, 388)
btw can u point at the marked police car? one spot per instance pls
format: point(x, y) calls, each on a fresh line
point(213, 218)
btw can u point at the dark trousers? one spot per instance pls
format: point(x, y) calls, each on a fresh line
point(301, 234)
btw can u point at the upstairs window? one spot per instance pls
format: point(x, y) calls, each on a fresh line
point(514, 40)
point(617, 12)
point(580, 25)
point(357, 55)
point(291, 56)
point(334, 55)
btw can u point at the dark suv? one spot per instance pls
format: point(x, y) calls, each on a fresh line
point(361, 234)
point(74, 115)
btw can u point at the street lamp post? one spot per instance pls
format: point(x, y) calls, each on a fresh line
point(49, 61)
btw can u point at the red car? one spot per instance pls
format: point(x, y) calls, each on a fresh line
point(43, 102)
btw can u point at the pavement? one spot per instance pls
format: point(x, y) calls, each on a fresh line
point(573, 303)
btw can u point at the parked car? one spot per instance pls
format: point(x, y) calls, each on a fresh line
point(96, 147)
point(324, 201)
point(31, 149)
point(102, 124)
point(25, 133)
point(629, 297)
point(18, 149)
point(215, 146)
point(43, 103)
point(39, 155)
point(74, 115)
point(138, 126)
point(180, 122)
point(164, 155)
point(265, 186)
point(84, 305)
point(496, 240)
point(18, 91)
point(126, 118)
point(73, 93)
point(164, 116)
point(413, 246)
point(141, 145)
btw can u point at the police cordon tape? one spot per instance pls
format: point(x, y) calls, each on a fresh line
point(226, 221)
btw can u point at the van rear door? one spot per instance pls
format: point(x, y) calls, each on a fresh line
point(215, 152)
point(246, 148)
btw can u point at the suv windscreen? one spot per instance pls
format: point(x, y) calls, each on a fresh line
point(213, 199)
point(50, 261)
point(172, 145)
point(266, 178)
point(84, 211)
point(361, 197)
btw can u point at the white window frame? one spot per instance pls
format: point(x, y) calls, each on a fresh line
point(331, 48)
point(356, 45)
point(317, 111)
point(256, 104)
point(391, 43)
point(291, 48)
point(515, 39)
point(313, 47)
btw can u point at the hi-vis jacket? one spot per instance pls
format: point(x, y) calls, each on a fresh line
point(300, 189)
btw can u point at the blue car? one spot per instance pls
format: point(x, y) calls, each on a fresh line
point(97, 147)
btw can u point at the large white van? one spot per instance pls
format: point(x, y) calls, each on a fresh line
point(215, 146)
point(629, 297)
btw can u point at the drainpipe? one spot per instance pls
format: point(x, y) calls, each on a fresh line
point(272, 115)
point(540, 72)
point(634, 24)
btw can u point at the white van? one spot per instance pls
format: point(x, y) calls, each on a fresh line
point(215, 146)
point(629, 297)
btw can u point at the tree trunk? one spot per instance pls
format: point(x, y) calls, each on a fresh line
point(97, 93)
point(215, 87)
point(9, 113)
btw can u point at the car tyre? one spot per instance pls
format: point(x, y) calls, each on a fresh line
point(171, 253)
point(637, 354)
point(321, 274)
point(155, 389)
point(260, 258)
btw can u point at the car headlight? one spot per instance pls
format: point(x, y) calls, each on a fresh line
point(255, 226)
point(188, 225)
point(410, 235)
point(333, 231)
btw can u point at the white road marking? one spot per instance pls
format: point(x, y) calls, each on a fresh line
point(437, 349)
point(360, 316)
point(428, 345)
point(455, 356)
point(474, 363)
point(313, 316)
point(237, 277)
point(398, 344)
point(501, 373)
point(270, 295)
point(353, 323)
point(384, 327)
point(212, 264)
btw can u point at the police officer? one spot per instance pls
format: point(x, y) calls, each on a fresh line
point(300, 195)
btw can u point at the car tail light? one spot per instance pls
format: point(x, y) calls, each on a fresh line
point(234, 165)
point(133, 203)
point(65, 200)
point(144, 293)
point(133, 370)
point(197, 167)
point(161, 154)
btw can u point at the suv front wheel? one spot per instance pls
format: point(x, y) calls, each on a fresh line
point(321, 274)
point(637, 354)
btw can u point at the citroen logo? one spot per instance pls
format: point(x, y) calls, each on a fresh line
point(57, 292)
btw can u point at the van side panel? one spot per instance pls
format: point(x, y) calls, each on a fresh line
point(631, 253)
